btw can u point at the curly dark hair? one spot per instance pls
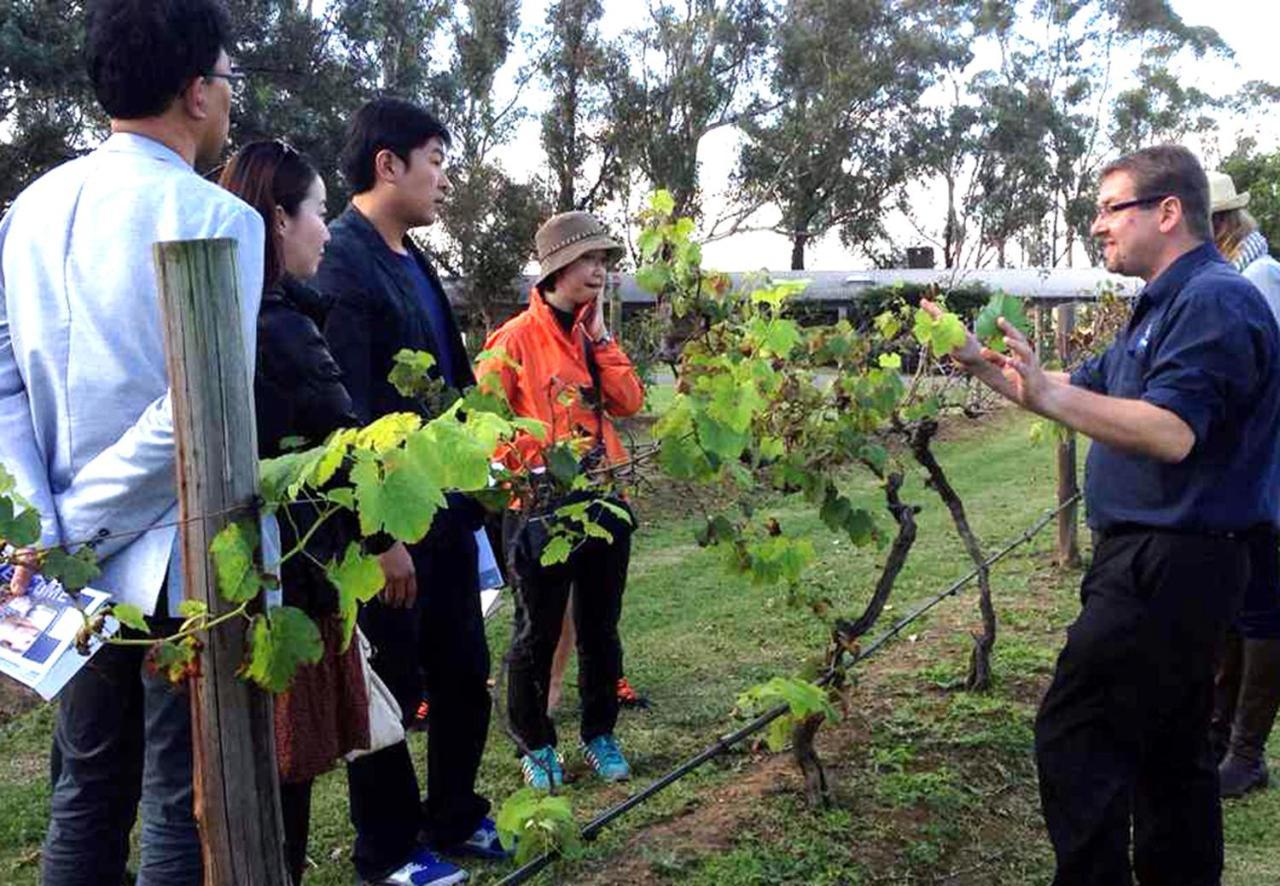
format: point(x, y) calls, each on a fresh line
point(386, 124)
point(142, 53)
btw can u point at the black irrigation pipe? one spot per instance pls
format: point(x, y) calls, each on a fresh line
point(724, 742)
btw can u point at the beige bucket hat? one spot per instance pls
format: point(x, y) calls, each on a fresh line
point(1222, 194)
point(568, 236)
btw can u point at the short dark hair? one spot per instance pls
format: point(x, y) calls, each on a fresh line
point(1172, 170)
point(386, 124)
point(142, 53)
point(267, 174)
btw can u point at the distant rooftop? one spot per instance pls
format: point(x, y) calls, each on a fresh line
point(1048, 284)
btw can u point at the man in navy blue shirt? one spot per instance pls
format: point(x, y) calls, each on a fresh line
point(1181, 480)
point(427, 621)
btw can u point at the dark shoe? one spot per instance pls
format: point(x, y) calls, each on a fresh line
point(1236, 777)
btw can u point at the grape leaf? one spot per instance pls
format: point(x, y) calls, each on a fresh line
point(358, 578)
point(280, 641)
point(232, 550)
point(942, 336)
point(410, 370)
point(72, 571)
point(131, 617)
point(20, 531)
point(401, 498)
point(662, 202)
point(531, 824)
point(192, 608)
point(557, 550)
point(388, 432)
point(173, 660)
point(1000, 305)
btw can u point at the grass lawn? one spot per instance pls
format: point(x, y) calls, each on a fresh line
point(933, 785)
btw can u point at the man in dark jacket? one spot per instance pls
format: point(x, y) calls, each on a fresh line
point(387, 297)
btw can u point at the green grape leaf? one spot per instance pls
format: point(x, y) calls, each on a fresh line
point(1000, 305)
point(72, 571)
point(193, 609)
point(653, 278)
point(410, 372)
point(890, 361)
point(344, 497)
point(280, 641)
point(888, 325)
point(131, 617)
point(648, 243)
point(399, 497)
point(682, 458)
point(20, 531)
point(557, 550)
point(662, 202)
point(233, 551)
point(388, 432)
point(561, 462)
point(173, 660)
point(942, 336)
point(358, 577)
point(803, 699)
point(531, 824)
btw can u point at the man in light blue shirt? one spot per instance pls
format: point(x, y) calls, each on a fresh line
point(84, 405)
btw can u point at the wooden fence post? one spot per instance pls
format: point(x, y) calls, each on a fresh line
point(1068, 537)
point(236, 787)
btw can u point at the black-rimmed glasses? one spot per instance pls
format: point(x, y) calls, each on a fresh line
point(235, 79)
point(1105, 210)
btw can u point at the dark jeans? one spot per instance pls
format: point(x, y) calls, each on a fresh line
point(123, 739)
point(442, 640)
point(1260, 614)
point(599, 571)
point(1123, 732)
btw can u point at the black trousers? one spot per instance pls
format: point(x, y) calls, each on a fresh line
point(599, 571)
point(1122, 736)
point(441, 641)
point(1260, 614)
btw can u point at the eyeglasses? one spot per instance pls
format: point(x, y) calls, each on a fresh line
point(235, 79)
point(1106, 210)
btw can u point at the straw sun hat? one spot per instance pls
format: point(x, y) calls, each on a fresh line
point(566, 237)
point(1222, 194)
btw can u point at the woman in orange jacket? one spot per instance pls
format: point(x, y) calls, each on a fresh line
point(560, 365)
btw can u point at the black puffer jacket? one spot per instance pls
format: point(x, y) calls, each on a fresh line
point(298, 392)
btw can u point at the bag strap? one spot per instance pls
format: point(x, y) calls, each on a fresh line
point(597, 391)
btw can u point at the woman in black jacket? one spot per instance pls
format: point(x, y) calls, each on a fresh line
point(299, 393)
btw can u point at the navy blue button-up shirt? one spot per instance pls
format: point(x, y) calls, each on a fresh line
point(1203, 344)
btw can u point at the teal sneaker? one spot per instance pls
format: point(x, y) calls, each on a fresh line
point(542, 768)
point(606, 758)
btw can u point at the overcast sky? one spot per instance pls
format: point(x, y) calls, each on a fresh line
point(1250, 27)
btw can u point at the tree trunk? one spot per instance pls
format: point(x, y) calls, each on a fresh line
point(798, 241)
point(237, 801)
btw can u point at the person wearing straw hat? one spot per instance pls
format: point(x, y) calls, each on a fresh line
point(559, 364)
point(1239, 239)
point(1247, 684)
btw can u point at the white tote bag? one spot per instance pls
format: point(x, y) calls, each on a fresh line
point(386, 723)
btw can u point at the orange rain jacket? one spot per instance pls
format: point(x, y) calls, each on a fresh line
point(551, 376)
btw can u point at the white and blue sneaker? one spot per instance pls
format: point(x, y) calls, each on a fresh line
point(542, 768)
point(424, 869)
point(484, 843)
point(605, 757)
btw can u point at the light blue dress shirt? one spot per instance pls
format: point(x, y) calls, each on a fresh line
point(84, 394)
